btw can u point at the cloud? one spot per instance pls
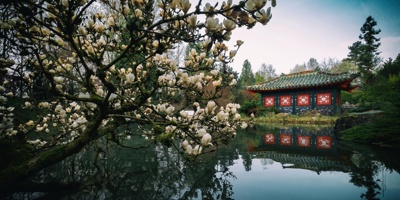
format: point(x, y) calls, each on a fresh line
point(390, 47)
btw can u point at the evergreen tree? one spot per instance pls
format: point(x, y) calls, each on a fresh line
point(246, 76)
point(365, 53)
point(390, 67)
point(355, 52)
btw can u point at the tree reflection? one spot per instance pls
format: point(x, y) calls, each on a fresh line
point(152, 173)
point(364, 175)
point(247, 161)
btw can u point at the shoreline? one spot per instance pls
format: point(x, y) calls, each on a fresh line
point(294, 119)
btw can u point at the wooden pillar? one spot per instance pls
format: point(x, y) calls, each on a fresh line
point(312, 99)
point(334, 103)
point(294, 103)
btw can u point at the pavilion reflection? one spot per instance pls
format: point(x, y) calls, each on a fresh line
point(304, 148)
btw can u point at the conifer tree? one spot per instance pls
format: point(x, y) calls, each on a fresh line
point(365, 53)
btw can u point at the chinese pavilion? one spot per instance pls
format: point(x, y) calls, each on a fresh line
point(308, 90)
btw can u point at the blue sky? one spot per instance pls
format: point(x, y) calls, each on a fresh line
point(304, 29)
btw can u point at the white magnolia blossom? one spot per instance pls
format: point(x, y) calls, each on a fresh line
point(212, 24)
point(201, 132)
point(206, 139)
point(229, 24)
point(94, 74)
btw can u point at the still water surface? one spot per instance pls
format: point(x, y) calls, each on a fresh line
point(263, 162)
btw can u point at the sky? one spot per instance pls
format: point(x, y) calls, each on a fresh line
point(320, 29)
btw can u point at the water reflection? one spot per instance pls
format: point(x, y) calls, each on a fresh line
point(257, 159)
point(299, 147)
point(317, 149)
point(153, 173)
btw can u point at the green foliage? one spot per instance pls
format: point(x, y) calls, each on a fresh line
point(384, 130)
point(344, 67)
point(259, 78)
point(390, 67)
point(349, 97)
point(247, 75)
point(254, 106)
point(382, 94)
point(365, 53)
point(249, 107)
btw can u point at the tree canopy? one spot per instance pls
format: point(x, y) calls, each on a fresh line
point(266, 72)
point(365, 52)
point(74, 71)
point(247, 76)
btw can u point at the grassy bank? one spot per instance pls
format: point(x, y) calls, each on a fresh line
point(293, 119)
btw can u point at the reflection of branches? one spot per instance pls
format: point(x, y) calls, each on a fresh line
point(363, 176)
point(211, 183)
point(247, 161)
point(110, 170)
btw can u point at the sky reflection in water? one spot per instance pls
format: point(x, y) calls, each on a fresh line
point(269, 179)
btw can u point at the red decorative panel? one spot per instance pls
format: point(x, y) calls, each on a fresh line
point(286, 139)
point(269, 101)
point(269, 138)
point(324, 142)
point(324, 99)
point(285, 100)
point(303, 141)
point(303, 99)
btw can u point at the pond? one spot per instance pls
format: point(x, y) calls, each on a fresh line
point(262, 162)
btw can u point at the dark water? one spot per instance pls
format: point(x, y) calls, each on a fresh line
point(263, 162)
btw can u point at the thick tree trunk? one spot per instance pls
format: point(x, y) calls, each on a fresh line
point(12, 176)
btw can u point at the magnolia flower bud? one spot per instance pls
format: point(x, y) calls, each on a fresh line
point(138, 13)
point(155, 43)
point(197, 150)
point(110, 21)
point(185, 144)
point(82, 30)
point(58, 79)
point(100, 28)
point(244, 125)
point(216, 83)
point(185, 5)
point(64, 3)
point(211, 105)
point(192, 21)
point(130, 78)
point(170, 110)
point(126, 10)
point(189, 149)
point(90, 23)
point(30, 123)
point(201, 132)
point(59, 41)
point(206, 139)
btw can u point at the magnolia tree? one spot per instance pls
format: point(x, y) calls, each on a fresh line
point(105, 63)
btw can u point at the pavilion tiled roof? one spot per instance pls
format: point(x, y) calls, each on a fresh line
point(305, 79)
point(303, 161)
